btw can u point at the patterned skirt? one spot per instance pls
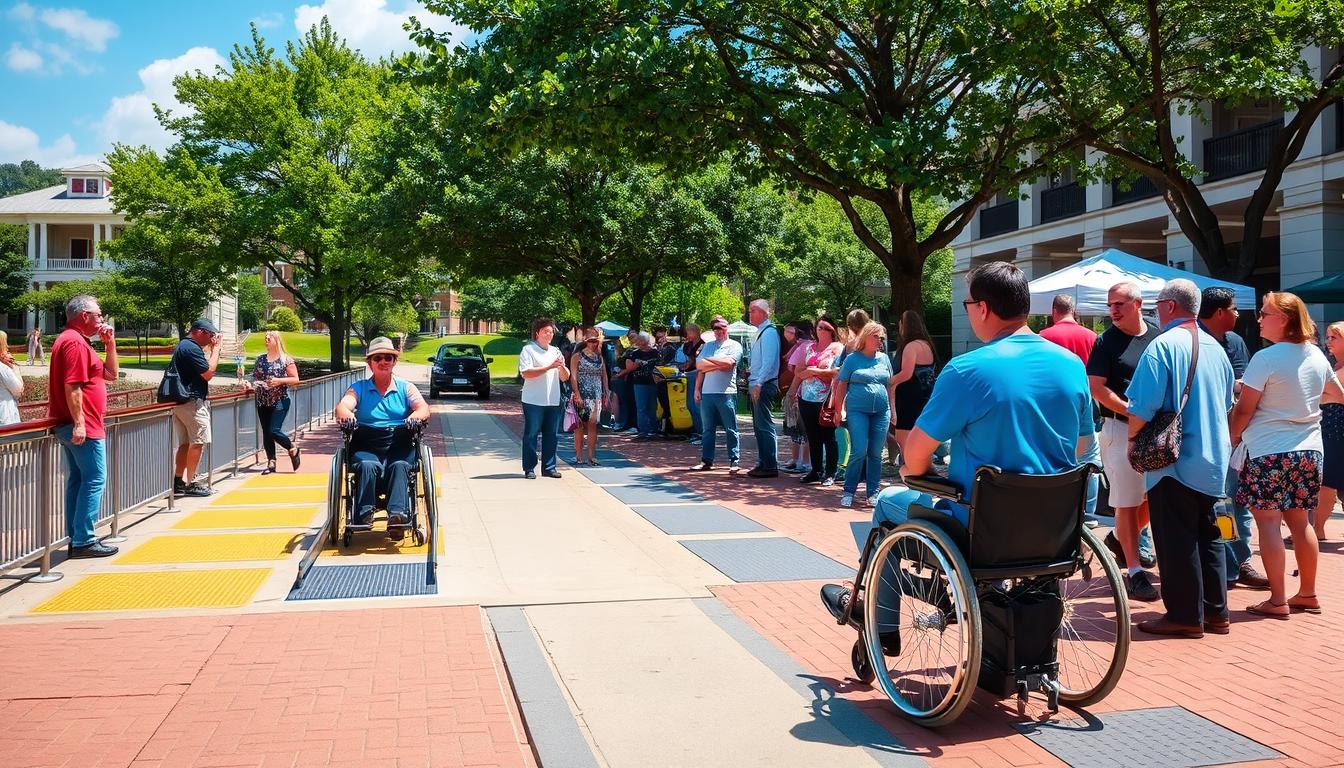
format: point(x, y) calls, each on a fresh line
point(1281, 481)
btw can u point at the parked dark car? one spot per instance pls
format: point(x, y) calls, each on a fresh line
point(460, 368)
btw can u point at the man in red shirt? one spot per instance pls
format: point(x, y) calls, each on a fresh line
point(78, 400)
point(1065, 330)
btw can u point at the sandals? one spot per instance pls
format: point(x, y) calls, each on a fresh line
point(593, 463)
point(1268, 610)
point(1299, 604)
point(294, 455)
point(270, 468)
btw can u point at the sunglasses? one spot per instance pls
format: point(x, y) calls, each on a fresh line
point(590, 341)
point(383, 358)
point(1262, 314)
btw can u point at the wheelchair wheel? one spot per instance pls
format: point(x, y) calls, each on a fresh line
point(336, 496)
point(1093, 640)
point(932, 680)
point(863, 668)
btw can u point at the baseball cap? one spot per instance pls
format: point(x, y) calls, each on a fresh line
point(718, 322)
point(203, 324)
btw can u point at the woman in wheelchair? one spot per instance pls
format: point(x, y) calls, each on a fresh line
point(384, 412)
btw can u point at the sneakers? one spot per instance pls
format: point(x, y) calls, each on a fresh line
point(827, 482)
point(96, 549)
point(734, 467)
point(179, 486)
point(847, 500)
point(197, 489)
point(1140, 587)
point(703, 466)
point(760, 472)
point(810, 478)
point(1247, 576)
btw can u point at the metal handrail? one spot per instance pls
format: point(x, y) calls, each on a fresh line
point(139, 460)
point(124, 395)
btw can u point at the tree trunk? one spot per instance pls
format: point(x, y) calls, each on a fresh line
point(338, 330)
point(906, 293)
point(588, 305)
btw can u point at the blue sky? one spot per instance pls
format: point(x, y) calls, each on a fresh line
point(77, 76)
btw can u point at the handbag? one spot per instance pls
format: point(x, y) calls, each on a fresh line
point(826, 417)
point(171, 389)
point(1158, 444)
point(571, 417)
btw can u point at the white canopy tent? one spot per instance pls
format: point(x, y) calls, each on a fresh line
point(1089, 280)
point(612, 329)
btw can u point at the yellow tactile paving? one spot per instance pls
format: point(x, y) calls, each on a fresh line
point(230, 588)
point(251, 517)
point(213, 548)
point(273, 497)
point(375, 542)
point(287, 480)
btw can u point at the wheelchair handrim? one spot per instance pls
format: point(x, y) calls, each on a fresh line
point(922, 638)
point(1085, 675)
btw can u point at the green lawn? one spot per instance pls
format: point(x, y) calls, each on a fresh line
point(305, 346)
point(503, 349)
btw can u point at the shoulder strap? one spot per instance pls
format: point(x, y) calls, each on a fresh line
point(1190, 375)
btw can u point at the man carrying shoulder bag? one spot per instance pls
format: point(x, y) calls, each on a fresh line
point(186, 382)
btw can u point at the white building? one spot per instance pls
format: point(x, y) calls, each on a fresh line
point(1059, 221)
point(67, 226)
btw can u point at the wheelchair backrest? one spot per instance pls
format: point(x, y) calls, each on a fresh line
point(1020, 521)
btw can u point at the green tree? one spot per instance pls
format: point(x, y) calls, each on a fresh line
point(286, 319)
point(16, 270)
point(1119, 73)
point(887, 103)
point(378, 316)
point(253, 299)
point(288, 139)
point(27, 176)
point(514, 302)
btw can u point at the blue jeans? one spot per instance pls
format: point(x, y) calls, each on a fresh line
point(893, 506)
point(763, 424)
point(1239, 551)
point(690, 403)
point(867, 437)
point(272, 418)
point(85, 478)
point(540, 421)
point(625, 394)
point(718, 411)
point(646, 406)
point(382, 461)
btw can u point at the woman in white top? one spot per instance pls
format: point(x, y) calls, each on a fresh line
point(1278, 417)
point(542, 367)
point(11, 384)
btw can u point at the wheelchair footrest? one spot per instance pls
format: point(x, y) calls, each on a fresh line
point(358, 527)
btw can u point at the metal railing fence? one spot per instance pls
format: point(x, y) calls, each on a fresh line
point(139, 459)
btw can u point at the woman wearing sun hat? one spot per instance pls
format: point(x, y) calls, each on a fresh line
point(384, 408)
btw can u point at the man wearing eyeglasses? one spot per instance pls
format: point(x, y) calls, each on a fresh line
point(195, 360)
point(77, 402)
point(1110, 366)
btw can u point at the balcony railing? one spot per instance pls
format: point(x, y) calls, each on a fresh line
point(1244, 151)
point(997, 219)
point(1139, 189)
point(69, 263)
point(1063, 201)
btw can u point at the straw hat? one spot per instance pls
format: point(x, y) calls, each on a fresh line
point(382, 345)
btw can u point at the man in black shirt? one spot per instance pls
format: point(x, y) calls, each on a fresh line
point(1218, 316)
point(1110, 366)
point(195, 360)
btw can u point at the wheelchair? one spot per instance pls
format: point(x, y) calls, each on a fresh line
point(422, 512)
point(1022, 599)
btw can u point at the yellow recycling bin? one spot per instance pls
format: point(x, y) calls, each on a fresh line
point(674, 396)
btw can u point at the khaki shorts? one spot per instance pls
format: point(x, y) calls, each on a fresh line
point(191, 422)
point(1127, 486)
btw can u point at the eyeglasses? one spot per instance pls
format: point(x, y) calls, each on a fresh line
point(1262, 314)
point(382, 358)
point(969, 302)
point(590, 341)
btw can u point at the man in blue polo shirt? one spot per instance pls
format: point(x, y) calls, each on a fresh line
point(1019, 403)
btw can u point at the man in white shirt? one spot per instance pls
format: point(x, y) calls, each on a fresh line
point(764, 382)
point(542, 367)
point(716, 394)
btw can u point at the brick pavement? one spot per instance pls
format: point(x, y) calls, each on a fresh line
point(1279, 683)
point(379, 687)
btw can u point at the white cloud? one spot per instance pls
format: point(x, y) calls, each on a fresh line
point(370, 25)
point(79, 26)
point(23, 12)
point(21, 59)
point(19, 143)
point(269, 20)
point(130, 119)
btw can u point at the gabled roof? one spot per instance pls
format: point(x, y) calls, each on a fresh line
point(52, 200)
point(86, 170)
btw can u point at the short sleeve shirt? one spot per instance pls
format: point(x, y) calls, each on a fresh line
point(74, 361)
point(720, 382)
point(1114, 356)
point(1073, 337)
point(1290, 378)
point(1018, 403)
point(543, 389)
point(191, 363)
point(866, 379)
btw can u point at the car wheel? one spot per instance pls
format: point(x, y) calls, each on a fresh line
point(433, 394)
point(483, 394)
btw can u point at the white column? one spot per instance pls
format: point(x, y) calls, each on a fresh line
point(1098, 189)
point(42, 249)
point(93, 245)
point(32, 243)
point(1311, 240)
point(1190, 129)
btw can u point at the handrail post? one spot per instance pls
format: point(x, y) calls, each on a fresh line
point(237, 427)
point(45, 502)
point(111, 464)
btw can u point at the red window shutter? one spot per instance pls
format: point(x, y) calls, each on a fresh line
point(77, 186)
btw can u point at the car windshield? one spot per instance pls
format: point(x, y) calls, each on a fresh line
point(459, 350)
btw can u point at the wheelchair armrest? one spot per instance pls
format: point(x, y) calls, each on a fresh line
point(934, 484)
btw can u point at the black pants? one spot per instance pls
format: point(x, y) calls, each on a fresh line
point(819, 438)
point(272, 418)
point(1189, 554)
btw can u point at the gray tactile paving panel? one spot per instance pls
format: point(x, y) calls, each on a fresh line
point(333, 582)
point(653, 493)
point(767, 559)
point(698, 518)
point(1162, 737)
point(620, 475)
